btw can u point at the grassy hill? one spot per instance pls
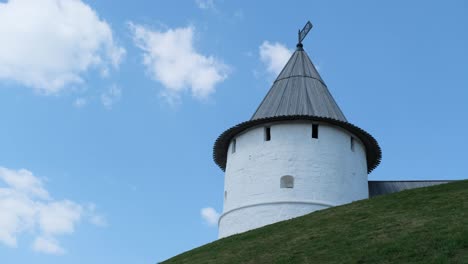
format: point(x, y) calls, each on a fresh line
point(426, 225)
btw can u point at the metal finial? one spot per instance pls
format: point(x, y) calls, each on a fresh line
point(303, 33)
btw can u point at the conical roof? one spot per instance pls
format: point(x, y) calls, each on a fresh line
point(299, 93)
point(299, 90)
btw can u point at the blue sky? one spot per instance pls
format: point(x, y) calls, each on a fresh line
point(109, 111)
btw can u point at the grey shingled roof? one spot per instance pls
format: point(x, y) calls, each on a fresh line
point(385, 187)
point(299, 90)
point(299, 93)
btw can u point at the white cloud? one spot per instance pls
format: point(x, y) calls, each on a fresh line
point(111, 96)
point(98, 220)
point(274, 56)
point(210, 216)
point(49, 44)
point(59, 217)
point(171, 59)
point(95, 218)
point(18, 213)
point(27, 207)
point(80, 102)
point(205, 4)
point(24, 182)
point(47, 245)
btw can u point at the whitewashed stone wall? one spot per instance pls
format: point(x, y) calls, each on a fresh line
point(326, 173)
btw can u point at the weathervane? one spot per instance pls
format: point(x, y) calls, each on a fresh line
point(303, 33)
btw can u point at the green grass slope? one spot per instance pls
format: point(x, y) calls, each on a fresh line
point(426, 225)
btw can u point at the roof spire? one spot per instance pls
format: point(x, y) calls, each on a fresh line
point(302, 34)
point(299, 90)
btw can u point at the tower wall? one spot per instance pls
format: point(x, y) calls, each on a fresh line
point(326, 172)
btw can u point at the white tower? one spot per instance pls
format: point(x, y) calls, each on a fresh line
point(297, 154)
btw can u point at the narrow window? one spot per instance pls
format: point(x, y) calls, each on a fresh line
point(352, 144)
point(225, 195)
point(287, 182)
point(233, 148)
point(314, 130)
point(267, 134)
